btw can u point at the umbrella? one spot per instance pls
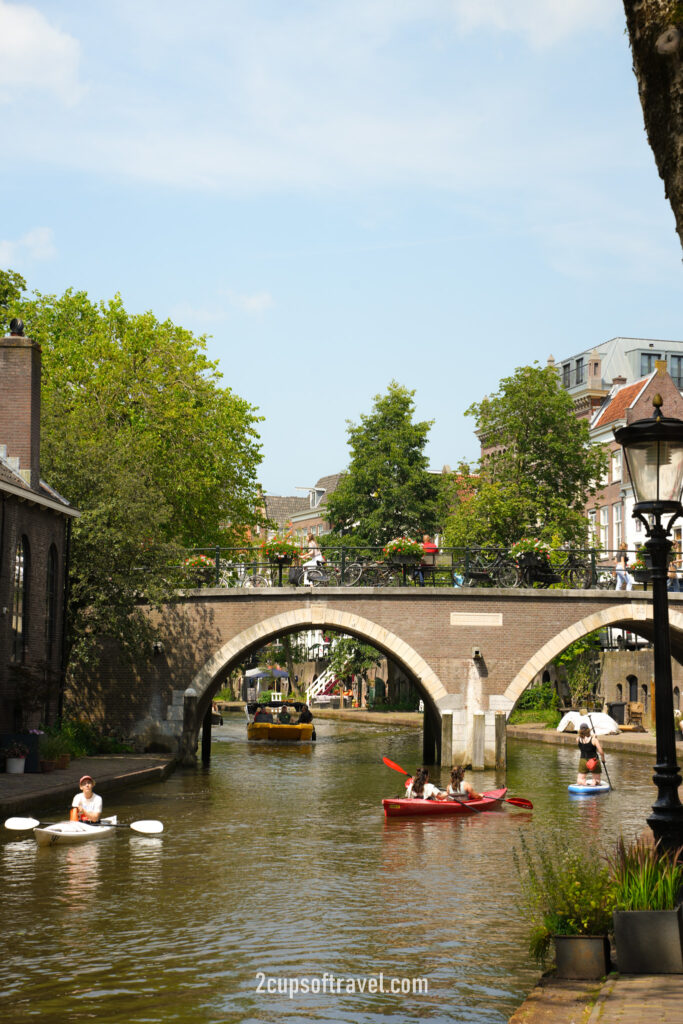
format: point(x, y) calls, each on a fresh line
point(261, 673)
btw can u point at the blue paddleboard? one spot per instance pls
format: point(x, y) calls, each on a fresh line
point(589, 790)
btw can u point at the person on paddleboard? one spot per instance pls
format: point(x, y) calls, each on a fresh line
point(421, 788)
point(458, 788)
point(591, 754)
point(86, 805)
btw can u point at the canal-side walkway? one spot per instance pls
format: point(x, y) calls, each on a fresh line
point(625, 742)
point(54, 791)
point(620, 999)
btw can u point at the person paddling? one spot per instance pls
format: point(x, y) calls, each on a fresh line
point(458, 788)
point(591, 754)
point(86, 805)
point(421, 788)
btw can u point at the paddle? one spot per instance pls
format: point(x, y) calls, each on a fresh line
point(602, 758)
point(145, 827)
point(518, 801)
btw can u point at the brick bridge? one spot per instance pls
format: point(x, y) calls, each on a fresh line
point(471, 652)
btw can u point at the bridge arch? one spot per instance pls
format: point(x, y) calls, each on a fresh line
point(634, 614)
point(319, 617)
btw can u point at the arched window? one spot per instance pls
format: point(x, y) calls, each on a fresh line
point(620, 692)
point(51, 600)
point(20, 600)
point(632, 687)
point(677, 699)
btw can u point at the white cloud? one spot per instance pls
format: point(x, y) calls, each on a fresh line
point(36, 56)
point(257, 302)
point(542, 23)
point(36, 244)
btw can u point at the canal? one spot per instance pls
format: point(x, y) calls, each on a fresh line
point(277, 868)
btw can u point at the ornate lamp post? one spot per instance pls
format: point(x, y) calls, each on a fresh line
point(653, 449)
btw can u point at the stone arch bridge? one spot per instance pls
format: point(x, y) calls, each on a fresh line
point(471, 652)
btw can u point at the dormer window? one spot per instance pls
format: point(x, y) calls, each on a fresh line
point(579, 371)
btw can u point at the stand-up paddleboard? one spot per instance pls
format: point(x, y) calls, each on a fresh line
point(589, 790)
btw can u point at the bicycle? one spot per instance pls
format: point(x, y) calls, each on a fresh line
point(491, 566)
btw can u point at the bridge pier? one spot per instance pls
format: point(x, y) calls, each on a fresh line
point(431, 737)
point(206, 737)
point(479, 739)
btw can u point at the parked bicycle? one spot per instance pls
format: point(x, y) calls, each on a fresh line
point(492, 566)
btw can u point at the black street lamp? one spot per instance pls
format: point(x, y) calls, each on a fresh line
point(653, 449)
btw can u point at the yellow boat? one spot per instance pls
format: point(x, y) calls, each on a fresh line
point(279, 722)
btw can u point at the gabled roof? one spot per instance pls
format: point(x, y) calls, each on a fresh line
point(615, 405)
point(12, 482)
point(281, 509)
point(329, 484)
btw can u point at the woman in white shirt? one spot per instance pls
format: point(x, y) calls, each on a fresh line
point(87, 805)
point(421, 788)
point(458, 788)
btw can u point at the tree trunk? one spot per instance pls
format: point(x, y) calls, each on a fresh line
point(655, 29)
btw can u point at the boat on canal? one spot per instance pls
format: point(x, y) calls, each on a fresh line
point(279, 722)
point(67, 833)
point(403, 808)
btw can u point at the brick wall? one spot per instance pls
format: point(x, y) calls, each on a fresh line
point(20, 405)
point(29, 689)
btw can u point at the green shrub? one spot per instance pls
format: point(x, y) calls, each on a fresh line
point(81, 739)
point(564, 892)
point(538, 698)
point(550, 718)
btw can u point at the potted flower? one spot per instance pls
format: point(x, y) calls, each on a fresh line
point(648, 918)
point(200, 568)
point(530, 551)
point(567, 898)
point(641, 565)
point(403, 551)
point(15, 758)
point(279, 550)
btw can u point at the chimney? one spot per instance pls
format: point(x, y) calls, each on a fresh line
point(20, 401)
point(617, 382)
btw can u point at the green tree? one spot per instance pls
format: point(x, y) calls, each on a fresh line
point(12, 285)
point(138, 433)
point(351, 657)
point(388, 490)
point(538, 466)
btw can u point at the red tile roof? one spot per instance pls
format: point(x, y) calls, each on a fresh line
point(624, 399)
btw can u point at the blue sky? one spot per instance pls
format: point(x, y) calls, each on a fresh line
point(341, 192)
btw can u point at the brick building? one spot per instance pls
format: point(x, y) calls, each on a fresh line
point(302, 515)
point(34, 549)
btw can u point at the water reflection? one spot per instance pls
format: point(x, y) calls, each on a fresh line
point(279, 860)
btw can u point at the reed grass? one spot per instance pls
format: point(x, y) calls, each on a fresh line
point(646, 877)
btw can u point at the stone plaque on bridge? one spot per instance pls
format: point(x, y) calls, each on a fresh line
point(476, 618)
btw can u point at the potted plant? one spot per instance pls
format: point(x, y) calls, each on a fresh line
point(200, 568)
point(567, 899)
point(403, 551)
point(279, 550)
point(641, 566)
point(15, 758)
point(648, 918)
point(530, 551)
point(52, 748)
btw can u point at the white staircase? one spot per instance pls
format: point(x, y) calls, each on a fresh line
point(319, 684)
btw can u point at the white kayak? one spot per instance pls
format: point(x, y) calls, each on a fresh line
point(69, 832)
point(589, 790)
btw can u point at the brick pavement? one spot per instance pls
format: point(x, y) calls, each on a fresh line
point(620, 999)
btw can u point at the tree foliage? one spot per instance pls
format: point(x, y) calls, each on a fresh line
point(388, 490)
point(538, 466)
point(137, 433)
point(12, 286)
point(352, 657)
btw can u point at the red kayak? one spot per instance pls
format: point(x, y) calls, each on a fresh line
point(402, 808)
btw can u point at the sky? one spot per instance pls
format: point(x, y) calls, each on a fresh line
point(339, 193)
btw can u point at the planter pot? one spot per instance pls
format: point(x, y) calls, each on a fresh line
point(641, 575)
point(48, 766)
point(649, 941)
point(582, 956)
point(528, 559)
point(280, 559)
point(15, 765)
point(63, 761)
point(405, 559)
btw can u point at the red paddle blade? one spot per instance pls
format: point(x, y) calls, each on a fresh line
point(396, 767)
point(519, 801)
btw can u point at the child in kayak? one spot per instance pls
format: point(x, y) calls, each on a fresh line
point(458, 788)
point(421, 788)
point(591, 755)
point(86, 805)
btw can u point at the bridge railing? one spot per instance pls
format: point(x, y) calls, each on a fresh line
point(367, 566)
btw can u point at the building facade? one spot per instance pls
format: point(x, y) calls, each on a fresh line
point(34, 550)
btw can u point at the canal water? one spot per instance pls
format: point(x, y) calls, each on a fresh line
point(277, 871)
